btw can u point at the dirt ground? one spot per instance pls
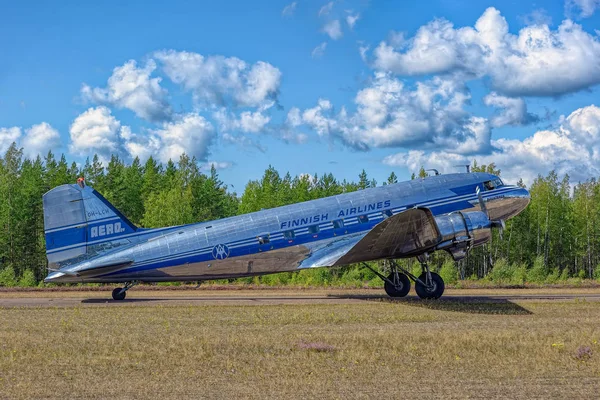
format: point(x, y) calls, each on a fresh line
point(149, 296)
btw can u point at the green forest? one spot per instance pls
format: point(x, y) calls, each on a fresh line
point(557, 238)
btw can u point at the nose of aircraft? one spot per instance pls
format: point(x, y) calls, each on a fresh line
point(521, 198)
point(508, 203)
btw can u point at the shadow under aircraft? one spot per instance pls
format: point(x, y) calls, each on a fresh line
point(491, 305)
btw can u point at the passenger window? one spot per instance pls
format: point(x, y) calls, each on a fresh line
point(289, 235)
point(313, 229)
point(387, 213)
point(363, 219)
point(338, 224)
point(263, 239)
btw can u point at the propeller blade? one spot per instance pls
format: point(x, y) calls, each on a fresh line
point(482, 203)
point(501, 225)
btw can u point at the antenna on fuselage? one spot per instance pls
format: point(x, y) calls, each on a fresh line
point(467, 166)
point(435, 171)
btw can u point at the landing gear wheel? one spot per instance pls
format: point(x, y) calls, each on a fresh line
point(435, 288)
point(400, 288)
point(118, 294)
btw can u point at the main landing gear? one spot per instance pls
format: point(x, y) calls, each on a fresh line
point(119, 293)
point(428, 285)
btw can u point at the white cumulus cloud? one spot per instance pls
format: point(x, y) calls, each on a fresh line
point(290, 9)
point(39, 139)
point(247, 121)
point(95, 130)
point(326, 9)
point(219, 80)
point(537, 61)
point(319, 50)
point(333, 29)
point(351, 19)
point(217, 164)
point(584, 8)
point(190, 133)
point(294, 119)
point(511, 110)
point(389, 114)
point(132, 88)
point(7, 137)
point(572, 148)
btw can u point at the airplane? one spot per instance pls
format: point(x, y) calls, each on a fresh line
point(90, 241)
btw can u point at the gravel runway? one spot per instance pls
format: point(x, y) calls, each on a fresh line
point(279, 297)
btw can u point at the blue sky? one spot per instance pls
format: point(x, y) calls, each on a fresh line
point(307, 86)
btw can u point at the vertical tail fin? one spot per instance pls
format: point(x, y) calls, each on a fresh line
point(79, 223)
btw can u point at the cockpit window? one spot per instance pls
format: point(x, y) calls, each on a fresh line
point(493, 184)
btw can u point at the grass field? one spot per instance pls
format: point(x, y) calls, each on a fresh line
point(373, 348)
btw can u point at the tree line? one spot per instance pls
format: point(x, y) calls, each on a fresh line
point(556, 237)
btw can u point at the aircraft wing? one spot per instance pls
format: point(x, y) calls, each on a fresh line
point(406, 234)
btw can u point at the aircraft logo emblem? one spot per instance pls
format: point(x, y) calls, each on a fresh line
point(220, 252)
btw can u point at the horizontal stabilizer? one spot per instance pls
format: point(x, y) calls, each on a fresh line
point(115, 265)
point(97, 269)
point(63, 272)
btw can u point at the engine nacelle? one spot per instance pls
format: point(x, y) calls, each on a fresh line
point(461, 231)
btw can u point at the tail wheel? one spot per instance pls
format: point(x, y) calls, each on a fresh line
point(400, 286)
point(118, 294)
point(434, 288)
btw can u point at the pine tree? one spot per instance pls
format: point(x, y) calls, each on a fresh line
point(170, 175)
point(131, 194)
point(285, 193)
point(328, 186)
point(96, 176)
point(392, 178)
point(29, 224)
point(301, 188)
point(114, 182)
point(363, 180)
point(168, 208)
point(152, 178)
point(12, 169)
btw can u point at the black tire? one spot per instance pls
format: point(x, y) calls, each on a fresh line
point(399, 290)
point(117, 294)
point(435, 291)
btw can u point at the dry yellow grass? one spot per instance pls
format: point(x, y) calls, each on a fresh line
point(381, 349)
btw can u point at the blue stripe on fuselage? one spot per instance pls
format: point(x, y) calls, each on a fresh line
point(437, 206)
